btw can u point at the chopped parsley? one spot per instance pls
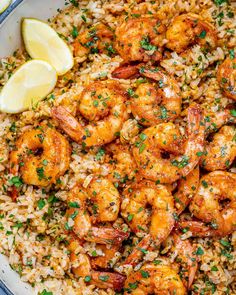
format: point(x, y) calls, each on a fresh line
point(202, 34)
point(145, 274)
point(100, 154)
point(45, 292)
point(74, 205)
point(74, 32)
point(146, 45)
point(87, 279)
point(220, 2)
point(199, 251)
point(104, 278)
point(16, 181)
point(41, 203)
point(182, 163)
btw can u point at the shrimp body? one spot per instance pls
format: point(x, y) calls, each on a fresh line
point(140, 39)
point(160, 221)
point(188, 29)
point(81, 267)
point(154, 279)
point(226, 77)
point(122, 166)
point(103, 105)
point(103, 202)
point(159, 102)
point(187, 187)
point(97, 39)
point(214, 188)
point(165, 137)
point(41, 156)
point(221, 151)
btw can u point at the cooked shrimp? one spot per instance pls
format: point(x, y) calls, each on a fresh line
point(156, 103)
point(220, 153)
point(187, 187)
point(103, 202)
point(206, 205)
point(41, 156)
point(186, 256)
point(215, 120)
point(81, 267)
point(140, 39)
point(103, 105)
point(226, 77)
point(129, 130)
point(122, 167)
point(138, 251)
point(154, 279)
point(97, 39)
point(188, 29)
point(157, 222)
point(105, 261)
point(165, 137)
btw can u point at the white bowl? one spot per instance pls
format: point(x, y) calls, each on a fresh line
point(10, 37)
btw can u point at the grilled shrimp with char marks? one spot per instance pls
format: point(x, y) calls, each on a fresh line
point(103, 105)
point(166, 137)
point(41, 156)
point(140, 39)
point(188, 29)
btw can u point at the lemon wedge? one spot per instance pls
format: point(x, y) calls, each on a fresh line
point(32, 82)
point(42, 42)
point(4, 4)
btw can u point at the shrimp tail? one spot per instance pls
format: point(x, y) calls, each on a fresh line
point(68, 123)
point(126, 72)
point(137, 253)
point(106, 235)
point(106, 280)
point(198, 228)
point(187, 256)
point(196, 134)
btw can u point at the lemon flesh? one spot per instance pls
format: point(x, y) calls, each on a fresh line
point(4, 4)
point(32, 82)
point(42, 42)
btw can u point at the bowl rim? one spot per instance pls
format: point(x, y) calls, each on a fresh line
point(9, 10)
point(3, 16)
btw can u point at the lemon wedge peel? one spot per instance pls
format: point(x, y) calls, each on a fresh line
point(4, 5)
point(31, 82)
point(42, 42)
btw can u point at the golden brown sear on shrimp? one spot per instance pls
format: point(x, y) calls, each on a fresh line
point(166, 137)
point(155, 103)
point(97, 39)
point(41, 156)
point(81, 267)
point(160, 221)
point(103, 105)
point(140, 39)
point(220, 153)
point(154, 279)
point(216, 218)
point(188, 29)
